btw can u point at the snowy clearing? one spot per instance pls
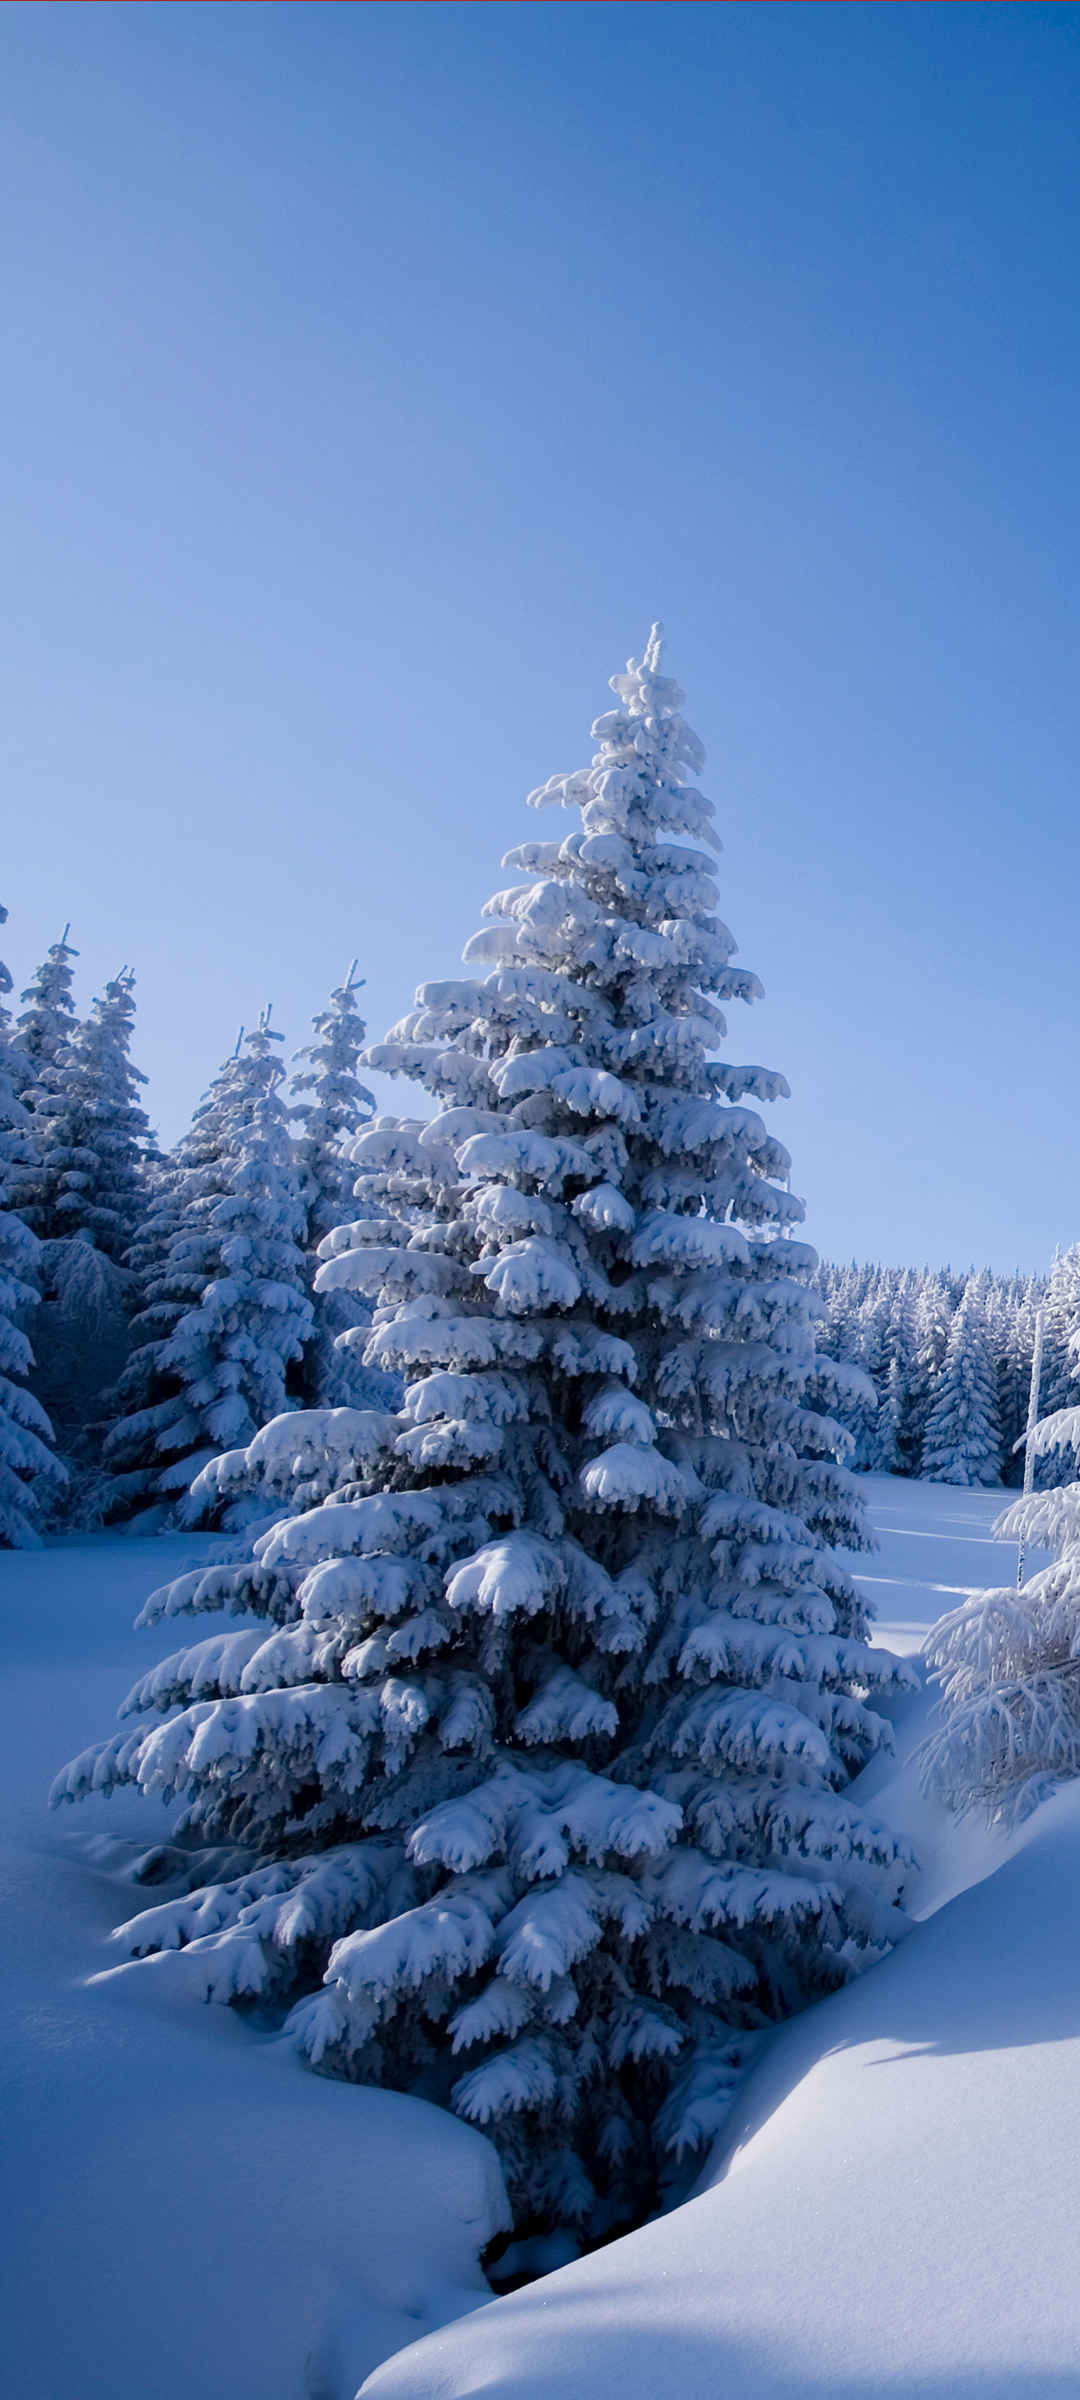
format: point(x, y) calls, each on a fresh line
point(195, 2212)
point(894, 2215)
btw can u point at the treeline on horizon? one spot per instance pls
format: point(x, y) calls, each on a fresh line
point(158, 1308)
point(949, 1357)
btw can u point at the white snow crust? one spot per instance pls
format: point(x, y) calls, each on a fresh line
point(895, 2212)
point(188, 2210)
point(892, 2214)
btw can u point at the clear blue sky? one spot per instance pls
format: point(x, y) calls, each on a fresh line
point(373, 375)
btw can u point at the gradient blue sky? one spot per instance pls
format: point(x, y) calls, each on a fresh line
point(373, 375)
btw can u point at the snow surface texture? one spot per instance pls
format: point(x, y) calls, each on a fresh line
point(190, 2211)
point(896, 2213)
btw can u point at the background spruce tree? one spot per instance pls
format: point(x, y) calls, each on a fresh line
point(93, 1134)
point(540, 1743)
point(47, 1020)
point(962, 1443)
point(1011, 1313)
point(1060, 1377)
point(145, 1405)
point(30, 1473)
point(333, 1105)
point(83, 1197)
point(225, 1310)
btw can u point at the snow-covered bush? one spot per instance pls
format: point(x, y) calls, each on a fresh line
point(540, 1740)
point(30, 1474)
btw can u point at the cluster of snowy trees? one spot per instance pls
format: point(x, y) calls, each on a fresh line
point(949, 1357)
point(523, 1781)
point(157, 1310)
point(172, 1308)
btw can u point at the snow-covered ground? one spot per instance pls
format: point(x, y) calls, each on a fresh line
point(896, 2213)
point(195, 2213)
point(190, 2214)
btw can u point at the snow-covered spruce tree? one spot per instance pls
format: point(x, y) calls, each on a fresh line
point(226, 1312)
point(333, 1107)
point(103, 1194)
point(83, 1197)
point(92, 1133)
point(1014, 1306)
point(962, 1442)
point(883, 1455)
point(541, 1747)
point(157, 1439)
point(132, 1458)
point(900, 1391)
point(29, 1472)
point(309, 1454)
point(874, 1322)
point(47, 1021)
point(934, 1313)
point(1060, 1379)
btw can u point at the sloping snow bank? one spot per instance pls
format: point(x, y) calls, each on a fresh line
point(188, 2210)
point(898, 2211)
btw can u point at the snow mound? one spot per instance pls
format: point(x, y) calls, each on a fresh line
point(197, 2212)
point(896, 2212)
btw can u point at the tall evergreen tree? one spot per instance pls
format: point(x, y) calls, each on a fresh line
point(48, 1019)
point(962, 1443)
point(1060, 1383)
point(83, 1196)
point(226, 1312)
point(30, 1474)
point(145, 1407)
point(541, 1745)
point(333, 1107)
point(92, 1133)
point(1011, 1319)
point(873, 1447)
point(934, 1312)
point(903, 1343)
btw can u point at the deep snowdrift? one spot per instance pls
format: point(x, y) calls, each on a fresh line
point(195, 2213)
point(896, 2213)
point(189, 2211)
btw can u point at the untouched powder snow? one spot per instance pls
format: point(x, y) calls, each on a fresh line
point(189, 2210)
point(196, 2213)
point(897, 2212)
